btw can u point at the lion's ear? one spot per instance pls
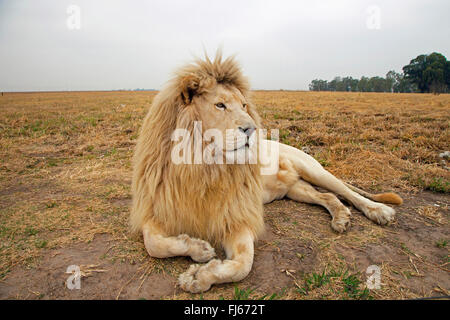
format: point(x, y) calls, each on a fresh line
point(189, 86)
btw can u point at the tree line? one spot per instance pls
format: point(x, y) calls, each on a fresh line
point(426, 73)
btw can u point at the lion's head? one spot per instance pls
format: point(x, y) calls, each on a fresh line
point(215, 94)
point(225, 109)
point(207, 201)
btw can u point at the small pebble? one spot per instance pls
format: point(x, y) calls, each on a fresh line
point(445, 154)
point(306, 150)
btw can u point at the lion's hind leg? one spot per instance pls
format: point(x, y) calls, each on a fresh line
point(159, 245)
point(302, 191)
point(375, 211)
point(310, 170)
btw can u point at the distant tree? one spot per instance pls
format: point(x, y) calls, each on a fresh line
point(399, 83)
point(425, 73)
point(391, 80)
point(332, 85)
point(353, 84)
point(447, 74)
point(377, 84)
point(363, 85)
point(340, 85)
point(430, 73)
point(406, 86)
point(318, 85)
point(414, 72)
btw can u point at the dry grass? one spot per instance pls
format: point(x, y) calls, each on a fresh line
point(374, 140)
point(65, 173)
point(66, 164)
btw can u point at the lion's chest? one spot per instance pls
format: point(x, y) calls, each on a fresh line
point(209, 214)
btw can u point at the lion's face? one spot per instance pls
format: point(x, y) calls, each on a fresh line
point(225, 109)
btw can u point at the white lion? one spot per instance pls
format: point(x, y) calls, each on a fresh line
point(182, 208)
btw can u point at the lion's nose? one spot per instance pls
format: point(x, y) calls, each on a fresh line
point(247, 130)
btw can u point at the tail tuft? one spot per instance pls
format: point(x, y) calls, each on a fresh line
point(389, 197)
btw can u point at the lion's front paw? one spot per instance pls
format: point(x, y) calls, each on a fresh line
point(188, 281)
point(380, 214)
point(201, 251)
point(198, 277)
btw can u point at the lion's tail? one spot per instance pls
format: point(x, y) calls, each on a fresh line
point(389, 197)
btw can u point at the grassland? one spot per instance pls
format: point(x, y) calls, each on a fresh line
point(65, 192)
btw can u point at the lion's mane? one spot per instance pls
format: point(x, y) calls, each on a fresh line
point(211, 202)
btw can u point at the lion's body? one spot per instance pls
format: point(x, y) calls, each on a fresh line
point(180, 208)
point(205, 201)
point(209, 206)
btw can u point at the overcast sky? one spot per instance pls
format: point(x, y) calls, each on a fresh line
point(280, 44)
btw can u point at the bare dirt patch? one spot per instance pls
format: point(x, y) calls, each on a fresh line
point(106, 279)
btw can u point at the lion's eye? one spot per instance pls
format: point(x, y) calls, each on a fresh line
point(244, 105)
point(221, 106)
